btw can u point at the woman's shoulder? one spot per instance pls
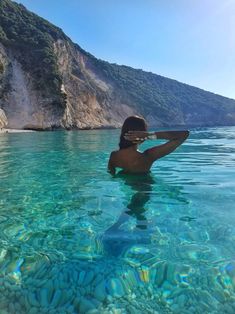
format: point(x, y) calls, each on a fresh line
point(114, 154)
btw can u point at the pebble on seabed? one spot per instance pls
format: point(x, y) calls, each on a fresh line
point(100, 292)
point(72, 289)
point(115, 288)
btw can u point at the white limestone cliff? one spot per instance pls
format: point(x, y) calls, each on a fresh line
point(3, 119)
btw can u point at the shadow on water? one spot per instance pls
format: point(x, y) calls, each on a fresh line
point(115, 239)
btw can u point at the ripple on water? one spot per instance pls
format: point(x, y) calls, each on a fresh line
point(171, 248)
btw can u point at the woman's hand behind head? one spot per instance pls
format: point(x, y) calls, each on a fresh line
point(136, 137)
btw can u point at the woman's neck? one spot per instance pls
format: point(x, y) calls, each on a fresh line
point(133, 148)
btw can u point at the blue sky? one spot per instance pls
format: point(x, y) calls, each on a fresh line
point(192, 41)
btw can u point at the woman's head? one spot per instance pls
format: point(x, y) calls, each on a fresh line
point(132, 123)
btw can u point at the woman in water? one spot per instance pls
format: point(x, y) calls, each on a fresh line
point(134, 132)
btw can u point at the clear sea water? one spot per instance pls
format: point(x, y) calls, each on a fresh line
point(74, 239)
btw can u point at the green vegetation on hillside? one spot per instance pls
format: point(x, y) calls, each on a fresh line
point(32, 39)
point(163, 96)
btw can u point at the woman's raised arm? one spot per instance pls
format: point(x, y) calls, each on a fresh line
point(176, 138)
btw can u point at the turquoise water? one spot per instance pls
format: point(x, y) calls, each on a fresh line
point(73, 239)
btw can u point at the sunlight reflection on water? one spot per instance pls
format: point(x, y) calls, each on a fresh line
point(74, 239)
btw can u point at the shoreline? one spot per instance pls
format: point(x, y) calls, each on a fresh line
point(194, 127)
point(6, 131)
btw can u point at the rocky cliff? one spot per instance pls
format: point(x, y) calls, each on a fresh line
point(48, 82)
point(3, 119)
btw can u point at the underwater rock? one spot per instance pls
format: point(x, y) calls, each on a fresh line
point(182, 276)
point(3, 253)
point(56, 298)
point(206, 299)
point(70, 309)
point(230, 270)
point(166, 290)
point(225, 281)
point(88, 278)
point(42, 272)
point(99, 292)
point(39, 282)
point(43, 297)
point(32, 299)
point(22, 300)
point(15, 264)
point(152, 274)
point(205, 307)
point(67, 297)
point(115, 288)
point(97, 280)
point(11, 308)
point(177, 292)
point(17, 307)
point(81, 277)
point(3, 305)
point(160, 273)
point(50, 287)
point(86, 305)
point(125, 285)
point(93, 312)
point(176, 308)
point(228, 309)
point(53, 312)
point(131, 309)
point(60, 281)
point(7, 285)
point(14, 230)
point(181, 300)
point(219, 295)
point(116, 292)
point(76, 303)
point(171, 273)
point(131, 277)
point(33, 310)
point(53, 272)
point(144, 274)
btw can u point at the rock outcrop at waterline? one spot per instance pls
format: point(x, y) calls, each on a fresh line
point(47, 82)
point(3, 119)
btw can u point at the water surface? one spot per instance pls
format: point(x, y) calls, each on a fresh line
point(74, 239)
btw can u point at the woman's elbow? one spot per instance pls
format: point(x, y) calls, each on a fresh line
point(186, 134)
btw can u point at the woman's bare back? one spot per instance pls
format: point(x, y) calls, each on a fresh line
point(130, 161)
point(133, 161)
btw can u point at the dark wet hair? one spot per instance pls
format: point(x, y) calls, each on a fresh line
point(132, 123)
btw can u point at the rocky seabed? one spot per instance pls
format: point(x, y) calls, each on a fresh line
point(138, 283)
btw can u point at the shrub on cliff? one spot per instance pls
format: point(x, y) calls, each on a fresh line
point(32, 39)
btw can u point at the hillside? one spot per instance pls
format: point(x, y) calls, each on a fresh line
point(48, 82)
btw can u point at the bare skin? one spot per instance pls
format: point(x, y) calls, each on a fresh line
point(133, 161)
